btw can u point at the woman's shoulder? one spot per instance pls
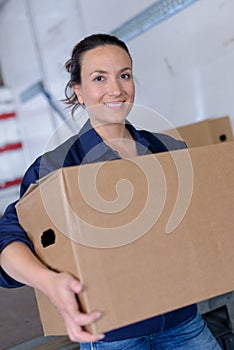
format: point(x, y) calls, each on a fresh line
point(163, 141)
point(49, 161)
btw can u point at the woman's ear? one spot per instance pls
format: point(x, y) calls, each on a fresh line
point(77, 90)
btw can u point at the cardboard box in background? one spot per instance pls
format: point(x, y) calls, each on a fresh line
point(157, 272)
point(206, 132)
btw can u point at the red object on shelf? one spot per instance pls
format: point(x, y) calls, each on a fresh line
point(11, 147)
point(10, 183)
point(7, 115)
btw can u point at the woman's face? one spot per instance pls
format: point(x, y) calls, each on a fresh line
point(107, 88)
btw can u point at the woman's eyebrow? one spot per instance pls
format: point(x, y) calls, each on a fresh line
point(100, 71)
point(126, 68)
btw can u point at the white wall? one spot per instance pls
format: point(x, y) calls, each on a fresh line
point(183, 66)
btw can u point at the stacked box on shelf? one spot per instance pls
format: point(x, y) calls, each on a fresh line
point(206, 132)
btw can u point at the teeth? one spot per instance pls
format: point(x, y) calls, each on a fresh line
point(114, 104)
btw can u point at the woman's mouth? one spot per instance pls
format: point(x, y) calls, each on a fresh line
point(116, 105)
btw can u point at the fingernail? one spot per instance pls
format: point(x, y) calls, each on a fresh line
point(98, 314)
point(100, 336)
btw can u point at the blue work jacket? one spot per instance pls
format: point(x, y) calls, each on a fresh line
point(88, 147)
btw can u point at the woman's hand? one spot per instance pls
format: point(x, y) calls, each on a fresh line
point(61, 290)
point(21, 264)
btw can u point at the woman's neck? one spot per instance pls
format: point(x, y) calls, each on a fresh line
point(110, 132)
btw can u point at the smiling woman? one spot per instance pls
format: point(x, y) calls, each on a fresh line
point(74, 64)
point(102, 82)
point(107, 88)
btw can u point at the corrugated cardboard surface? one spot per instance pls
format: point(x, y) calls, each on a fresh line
point(206, 132)
point(157, 272)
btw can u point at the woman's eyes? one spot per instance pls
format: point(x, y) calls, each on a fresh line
point(99, 78)
point(124, 76)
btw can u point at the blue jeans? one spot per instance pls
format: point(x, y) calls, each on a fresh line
point(189, 335)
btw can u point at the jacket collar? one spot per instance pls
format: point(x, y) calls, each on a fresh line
point(95, 149)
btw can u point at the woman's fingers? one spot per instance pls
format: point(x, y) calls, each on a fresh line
point(85, 319)
point(62, 292)
point(76, 286)
point(76, 331)
point(83, 337)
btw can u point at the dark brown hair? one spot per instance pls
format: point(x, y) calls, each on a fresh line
point(73, 65)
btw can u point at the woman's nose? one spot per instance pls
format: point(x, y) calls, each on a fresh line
point(114, 88)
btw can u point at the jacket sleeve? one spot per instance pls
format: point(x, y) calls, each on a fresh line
point(10, 229)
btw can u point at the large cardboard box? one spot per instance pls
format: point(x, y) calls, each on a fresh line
point(206, 132)
point(145, 235)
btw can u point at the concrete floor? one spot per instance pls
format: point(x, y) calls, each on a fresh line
point(19, 318)
point(20, 326)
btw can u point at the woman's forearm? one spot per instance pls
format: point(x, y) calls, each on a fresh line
point(18, 261)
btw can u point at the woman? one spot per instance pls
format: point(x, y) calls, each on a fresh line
point(102, 82)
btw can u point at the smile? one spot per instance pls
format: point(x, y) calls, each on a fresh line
point(114, 105)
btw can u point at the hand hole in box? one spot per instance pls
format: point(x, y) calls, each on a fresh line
point(223, 137)
point(47, 238)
